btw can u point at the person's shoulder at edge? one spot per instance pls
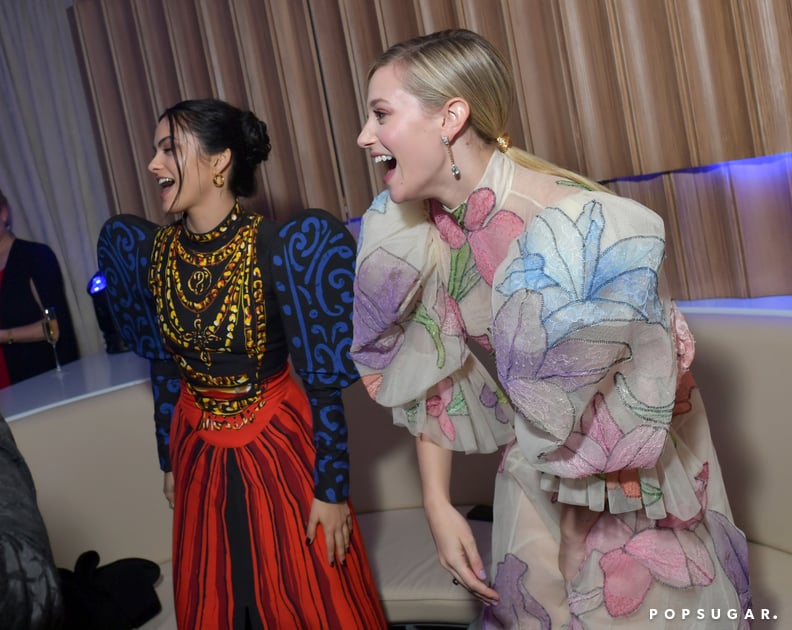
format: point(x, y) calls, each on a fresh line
point(34, 248)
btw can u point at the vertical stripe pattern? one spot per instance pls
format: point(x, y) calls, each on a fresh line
point(239, 548)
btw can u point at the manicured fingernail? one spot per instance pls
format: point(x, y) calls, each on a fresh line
point(482, 574)
point(332, 563)
point(308, 542)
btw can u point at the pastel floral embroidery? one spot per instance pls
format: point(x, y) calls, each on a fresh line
point(633, 557)
point(682, 404)
point(731, 548)
point(575, 312)
point(372, 383)
point(377, 307)
point(487, 240)
point(495, 400)
point(601, 446)
point(436, 407)
point(517, 608)
point(581, 281)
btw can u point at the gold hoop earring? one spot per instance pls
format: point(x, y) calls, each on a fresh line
point(454, 168)
point(218, 180)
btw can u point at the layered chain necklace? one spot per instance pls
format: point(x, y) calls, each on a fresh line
point(207, 289)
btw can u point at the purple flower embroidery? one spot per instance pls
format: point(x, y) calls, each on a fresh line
point(517, 608)
point(732, 551)
point(382, 284)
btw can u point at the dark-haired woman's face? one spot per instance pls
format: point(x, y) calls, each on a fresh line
point(180, 191)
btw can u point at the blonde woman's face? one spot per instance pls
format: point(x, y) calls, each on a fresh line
point(405, 138)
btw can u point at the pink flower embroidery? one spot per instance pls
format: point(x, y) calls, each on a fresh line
point(447, 225)
point(448, 314)
point(685, 387)
point(489, 240)
point(601, 446)
point(636, 555)
point(372, 383)
point(683, 338)
point(436, 407)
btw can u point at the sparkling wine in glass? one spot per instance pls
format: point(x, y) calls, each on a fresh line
point(52, 332)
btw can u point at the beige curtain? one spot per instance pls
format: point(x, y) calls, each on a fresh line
point(647, 95)
point(651, 96)
point(49, 167)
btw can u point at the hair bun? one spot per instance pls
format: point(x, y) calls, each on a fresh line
point(258, 141)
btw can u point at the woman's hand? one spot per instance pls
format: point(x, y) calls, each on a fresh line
point(336, 522)
point(453, 537)
point(169, 488)
point(457, 550)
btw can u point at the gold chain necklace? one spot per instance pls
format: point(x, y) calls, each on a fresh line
point(235, 260)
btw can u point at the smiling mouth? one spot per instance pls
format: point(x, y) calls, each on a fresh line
point(388, 161)
point(165, 182)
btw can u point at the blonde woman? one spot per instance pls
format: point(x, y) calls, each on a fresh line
point(609, 503)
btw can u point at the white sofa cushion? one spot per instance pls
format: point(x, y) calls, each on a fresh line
point(771, 574)
point(415, 588)
point(412, 584)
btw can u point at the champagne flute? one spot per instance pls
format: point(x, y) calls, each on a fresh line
point(52, 332)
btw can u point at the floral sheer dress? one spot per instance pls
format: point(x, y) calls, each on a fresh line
point(593, 398)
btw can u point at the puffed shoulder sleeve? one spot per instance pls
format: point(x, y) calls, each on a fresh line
point(411, 353)
point(313, 268)
point(124, 257)
point(589, 349)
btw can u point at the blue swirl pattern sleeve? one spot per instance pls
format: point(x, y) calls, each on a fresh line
point(313, 268)
point(123, 254)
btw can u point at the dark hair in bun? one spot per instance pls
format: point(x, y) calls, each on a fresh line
point(218, 126)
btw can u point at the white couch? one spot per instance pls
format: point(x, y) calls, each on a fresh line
point(94, 464)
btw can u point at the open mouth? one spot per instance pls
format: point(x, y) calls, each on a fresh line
point(165, 182)
point(389, 161)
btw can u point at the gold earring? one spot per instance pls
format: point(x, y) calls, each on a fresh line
point(454, 168)
point(218, 180)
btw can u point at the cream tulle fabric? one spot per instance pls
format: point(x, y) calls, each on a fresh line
point(593, 395)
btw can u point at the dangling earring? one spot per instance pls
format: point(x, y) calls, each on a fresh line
point(454, 168)
point(218, 180)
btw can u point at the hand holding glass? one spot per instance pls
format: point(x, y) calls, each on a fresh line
point(52, 332)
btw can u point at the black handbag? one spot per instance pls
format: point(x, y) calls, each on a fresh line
point(117, 596)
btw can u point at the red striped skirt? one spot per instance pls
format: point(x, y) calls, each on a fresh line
point(243, 498)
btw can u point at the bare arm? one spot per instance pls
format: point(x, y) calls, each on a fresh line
point(23, 334)
point(456, 547)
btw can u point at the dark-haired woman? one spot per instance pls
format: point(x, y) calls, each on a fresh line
point(30, 281)
point(255, 470)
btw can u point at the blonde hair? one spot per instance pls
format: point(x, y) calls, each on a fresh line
point(460, 63)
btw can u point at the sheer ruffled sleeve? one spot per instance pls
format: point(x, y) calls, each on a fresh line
point(408, 341)
point(124, 255)
point(589, 350)
point(313, 267)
